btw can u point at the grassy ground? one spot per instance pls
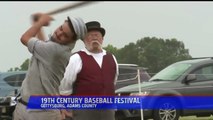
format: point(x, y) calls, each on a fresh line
point(196, 118)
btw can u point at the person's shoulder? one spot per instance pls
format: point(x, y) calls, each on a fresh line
point(77, 53)
point(75, 56)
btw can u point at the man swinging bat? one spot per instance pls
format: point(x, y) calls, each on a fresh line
point(48, 63)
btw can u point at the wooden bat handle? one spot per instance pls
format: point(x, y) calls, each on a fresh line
point(68, 7)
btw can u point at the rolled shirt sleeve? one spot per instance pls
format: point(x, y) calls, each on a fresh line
point(31, 44)
point(45, 51)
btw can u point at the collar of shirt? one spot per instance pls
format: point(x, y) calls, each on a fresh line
point(90, 53)
point(70, 45)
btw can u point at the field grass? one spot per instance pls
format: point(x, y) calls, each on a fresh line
point(196, 118)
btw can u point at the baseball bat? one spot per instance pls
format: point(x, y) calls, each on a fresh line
point(68, 7)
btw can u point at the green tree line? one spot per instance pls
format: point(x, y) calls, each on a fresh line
point(152, 53)
point(23, 67)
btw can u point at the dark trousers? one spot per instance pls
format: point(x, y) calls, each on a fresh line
point(93, 114)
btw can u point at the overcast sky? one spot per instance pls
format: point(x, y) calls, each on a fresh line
point(125, 22)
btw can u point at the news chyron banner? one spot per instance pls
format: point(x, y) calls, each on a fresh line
point(120, 102)
point(83, 102)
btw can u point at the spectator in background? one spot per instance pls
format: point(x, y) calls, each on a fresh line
point(91, 71)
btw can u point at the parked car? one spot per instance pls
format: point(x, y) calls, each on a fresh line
point(189, 77)
point(128, 75)
point(10, 83)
